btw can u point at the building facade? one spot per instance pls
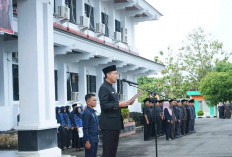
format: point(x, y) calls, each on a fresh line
point(200, 104)
point(56, 54)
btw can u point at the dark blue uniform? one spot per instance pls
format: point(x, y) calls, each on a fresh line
point(90, 129)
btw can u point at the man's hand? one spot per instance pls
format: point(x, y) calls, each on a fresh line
point(179, 121)
point(124, 104)
point(87, 145)
point(147, 122)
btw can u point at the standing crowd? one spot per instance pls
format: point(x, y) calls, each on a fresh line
point(225, 110)
point(175, 118)
point(78, 128)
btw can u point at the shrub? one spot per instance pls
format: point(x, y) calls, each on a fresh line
point(200, 113)
point(125, 113)
point(137, 117)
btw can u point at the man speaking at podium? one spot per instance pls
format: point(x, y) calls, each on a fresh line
point(111, 121)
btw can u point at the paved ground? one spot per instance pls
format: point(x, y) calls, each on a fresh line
point(213, 139)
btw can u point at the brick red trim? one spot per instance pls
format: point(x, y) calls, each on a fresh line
point(103, 42)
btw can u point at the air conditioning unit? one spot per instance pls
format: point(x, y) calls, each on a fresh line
point(124, 35)
point(100, 28)
point(14, 55)
point(64, 13)
point(84, 21)
point(75, 96)
point(117, 36)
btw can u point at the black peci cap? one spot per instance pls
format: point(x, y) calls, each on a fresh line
point(145, 100)
point(109, 69)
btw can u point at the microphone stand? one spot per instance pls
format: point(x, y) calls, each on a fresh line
point(153, 95)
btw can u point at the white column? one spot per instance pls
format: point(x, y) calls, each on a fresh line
point(36, 64)
point(99, 78)
point(36, 76)
point(80, 9)
point(97, 11)
point(3, 70)
point(82, 83)
point(62, 83)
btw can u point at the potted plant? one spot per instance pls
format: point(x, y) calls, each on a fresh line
point(200, 114)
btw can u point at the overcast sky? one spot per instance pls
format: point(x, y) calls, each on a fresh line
point(179, 18)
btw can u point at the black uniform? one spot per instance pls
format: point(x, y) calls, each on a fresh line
point(147, 127)
point(111, 121)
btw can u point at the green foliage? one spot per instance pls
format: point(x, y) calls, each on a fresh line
point(137, 117)
point(216, 87)
point(200, 113)
point(125, 113)
point(223, 66)
point(198, 56)
point(186, 67)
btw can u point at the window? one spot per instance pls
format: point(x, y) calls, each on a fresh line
point(117, 26)
point(56, 90)
point(91, 84)
point(15, 74)
point(72, 84)
point(72, 5)
point(105, 18)
point(89, 12)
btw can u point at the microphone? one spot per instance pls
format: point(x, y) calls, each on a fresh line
point(129, 82)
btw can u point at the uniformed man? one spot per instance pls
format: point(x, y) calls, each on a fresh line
point(147, 119)
point(111, 121)
point(193, 115)
point(180, 117)
point(174, 120)
point(90, 127)
point(189, 118)
point(184, 117)
point(159, 118)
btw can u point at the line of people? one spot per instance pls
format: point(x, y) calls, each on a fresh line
point(71, 123)
point(225, 110)
point(79, 129)
point(175, 118)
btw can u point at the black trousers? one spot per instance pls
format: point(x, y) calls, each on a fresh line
point(147, 131)
point(75, 139)
point(92, 152)
point(183, 127)
point(159, 126)
point(110, 142)
point(68, 137)
point(187, 126)
point(178, 129)
point(152, 129)
point(173, 131)
point(61, 138)
point(167, 129)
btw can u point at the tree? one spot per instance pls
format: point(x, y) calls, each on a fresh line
point(199, 54)
point(223, 66)
point(216, 87)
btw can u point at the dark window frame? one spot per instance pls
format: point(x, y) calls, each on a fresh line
point(105, 20)
point(75, 85)
point(117, 26)
point(91, 83)
point(89, 12)
point(15, 81)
